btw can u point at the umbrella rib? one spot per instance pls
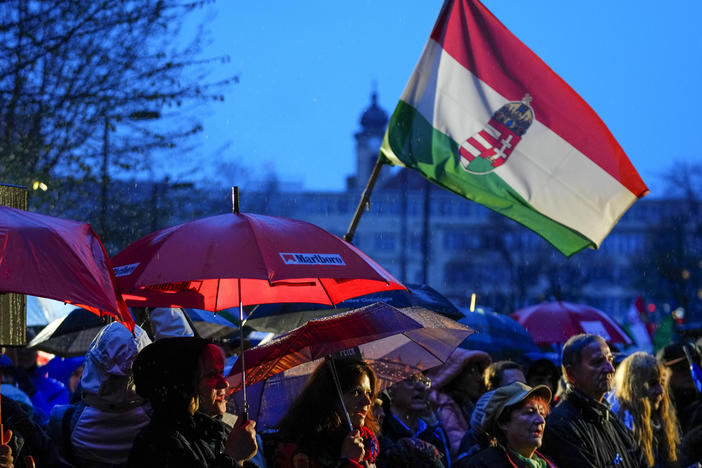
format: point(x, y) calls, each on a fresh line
point(219, 281)
point(258, 249)
point(326, 292)
point(427, 349)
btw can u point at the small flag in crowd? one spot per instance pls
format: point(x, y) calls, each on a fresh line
point(637, 328)
point(484, 117)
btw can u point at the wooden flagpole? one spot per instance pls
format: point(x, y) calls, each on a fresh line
point(365, 200)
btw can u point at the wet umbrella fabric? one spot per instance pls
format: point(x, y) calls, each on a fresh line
point(396, 343)
point(280, 318)
point(58, 259)
point(69, 336)
point(499, 335)
point(210, 326)
point(555, 322)
point(223, 261)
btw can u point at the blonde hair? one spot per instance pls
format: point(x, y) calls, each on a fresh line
point(632, 384)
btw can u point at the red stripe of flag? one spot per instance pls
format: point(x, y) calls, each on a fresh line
point(475, 38)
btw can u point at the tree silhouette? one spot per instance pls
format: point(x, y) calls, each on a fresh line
point(80, 78)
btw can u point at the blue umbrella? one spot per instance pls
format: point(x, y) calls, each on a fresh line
point(209, 325)
point(499, 335)
point(280, 318)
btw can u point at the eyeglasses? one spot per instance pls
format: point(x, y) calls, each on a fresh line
point(418, 379)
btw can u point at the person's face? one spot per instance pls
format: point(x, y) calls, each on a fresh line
point(512, 375)
point(655, 392)
point(74, 380)
point(213, 386)
point(358, 401)
point(542, 376)
point(470, 381)
point(411, 394)
point(379, 412)
point(593, 375)
point(525, 427)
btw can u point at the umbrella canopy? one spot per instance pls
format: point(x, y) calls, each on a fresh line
point(223, 261)
point(395, 343)
point(69, 336)
point(42, 311)
point(555, 322)
point(210, 326)
point(499, 335)
point(280, 318)
point(58, 259)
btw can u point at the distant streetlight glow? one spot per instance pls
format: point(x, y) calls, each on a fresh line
point(685, 274)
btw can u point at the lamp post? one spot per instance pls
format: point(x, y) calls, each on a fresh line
point(105, 176)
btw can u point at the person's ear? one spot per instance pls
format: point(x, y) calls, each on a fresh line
point(569, 371)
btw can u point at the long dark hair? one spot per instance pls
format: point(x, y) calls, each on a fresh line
point(316, 417)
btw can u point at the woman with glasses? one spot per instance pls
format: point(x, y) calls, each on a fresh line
point(315, 432)
point(408, 415)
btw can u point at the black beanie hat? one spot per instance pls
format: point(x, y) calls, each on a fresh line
point(165, 372)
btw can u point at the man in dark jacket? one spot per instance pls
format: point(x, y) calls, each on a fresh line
point(581, 431)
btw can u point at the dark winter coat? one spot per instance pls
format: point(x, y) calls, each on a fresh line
point(581, 432)
point(182, 443)
point(394, 430)
point(498, 457)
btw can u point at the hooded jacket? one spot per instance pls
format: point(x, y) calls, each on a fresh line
point(450, 414)
point(582, 432)
point(103, 426)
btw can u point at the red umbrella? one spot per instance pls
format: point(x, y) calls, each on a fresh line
point(555, 322)
point(223, 261)
point(58, 259)
point(239, 259)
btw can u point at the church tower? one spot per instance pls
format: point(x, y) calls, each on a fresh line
point(368, 140)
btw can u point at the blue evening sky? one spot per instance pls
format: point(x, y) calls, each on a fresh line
point(307, 69)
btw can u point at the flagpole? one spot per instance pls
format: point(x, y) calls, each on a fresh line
point(365, 200)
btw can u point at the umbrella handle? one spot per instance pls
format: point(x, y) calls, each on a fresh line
point(335, 377)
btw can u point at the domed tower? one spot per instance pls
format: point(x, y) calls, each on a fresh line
point(373, 122)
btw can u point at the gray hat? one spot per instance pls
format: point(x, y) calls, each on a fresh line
point(490, 406)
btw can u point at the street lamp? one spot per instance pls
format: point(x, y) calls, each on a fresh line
point(105, 177)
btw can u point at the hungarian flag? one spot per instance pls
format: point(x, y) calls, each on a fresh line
point(485, 117)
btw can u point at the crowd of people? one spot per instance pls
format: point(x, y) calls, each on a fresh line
point(160, 399)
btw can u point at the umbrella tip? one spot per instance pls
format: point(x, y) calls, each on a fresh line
point(235, 199)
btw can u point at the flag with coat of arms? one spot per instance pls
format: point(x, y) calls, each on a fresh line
point(485, 117)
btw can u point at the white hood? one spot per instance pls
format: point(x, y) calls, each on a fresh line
point(107, 376)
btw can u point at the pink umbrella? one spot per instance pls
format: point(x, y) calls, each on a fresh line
point(555, 322)
point(58, 259)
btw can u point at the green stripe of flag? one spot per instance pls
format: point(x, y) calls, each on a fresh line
point(413, 140)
